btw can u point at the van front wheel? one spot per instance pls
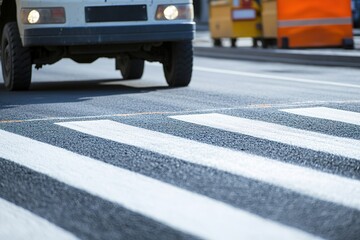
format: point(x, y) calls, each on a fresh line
point(15, 59)
point(178, 67)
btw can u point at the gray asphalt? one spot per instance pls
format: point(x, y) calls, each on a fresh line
point(324, 57)
point(337, 57)
point(68, 91)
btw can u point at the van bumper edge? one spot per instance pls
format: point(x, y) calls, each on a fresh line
point(63, 36)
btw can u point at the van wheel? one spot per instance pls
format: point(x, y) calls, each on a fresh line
point(178, 67)
point(131, 69)
point(15, 59)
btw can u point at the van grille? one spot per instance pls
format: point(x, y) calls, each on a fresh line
point(116, 13)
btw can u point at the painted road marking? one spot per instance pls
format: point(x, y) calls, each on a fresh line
point(306, 181)
point(18, 223)
point(327, 113)
point(274, 132)
point(273, 77)
point(183, 210)
point(130, 114)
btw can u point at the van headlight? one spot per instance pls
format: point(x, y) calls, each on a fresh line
point(175, 12)
point(43, 15)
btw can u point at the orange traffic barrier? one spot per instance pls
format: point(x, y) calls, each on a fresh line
point(311, 23)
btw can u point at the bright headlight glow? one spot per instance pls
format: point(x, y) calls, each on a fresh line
point(33, 16)
point(171, 12)
point(175, 12)
point(52, 15)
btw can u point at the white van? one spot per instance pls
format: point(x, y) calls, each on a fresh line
point(39, 32)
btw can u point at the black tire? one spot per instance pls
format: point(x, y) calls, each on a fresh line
point(265, 43)
point(233, 42)
point(217, 42)
point(178, 67)
point(15, 59)
point(255, 43)
point(285, 43)
point(132, 69)
point(348, 43)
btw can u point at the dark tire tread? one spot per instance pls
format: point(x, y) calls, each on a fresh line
point(134, 69)
point(178, 71)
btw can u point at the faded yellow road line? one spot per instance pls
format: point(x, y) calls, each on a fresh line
point(210, 110)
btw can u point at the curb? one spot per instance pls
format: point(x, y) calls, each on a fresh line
point(275, 55)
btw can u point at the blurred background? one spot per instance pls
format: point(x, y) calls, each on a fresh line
point(280, 23)
point(202, 11)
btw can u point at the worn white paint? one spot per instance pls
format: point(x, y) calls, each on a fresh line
point(183, 210)
point(274, 132)
point(17, 223)
point(327, 113)
point(303, 180)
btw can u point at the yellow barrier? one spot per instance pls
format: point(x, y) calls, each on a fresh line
point(234, 19)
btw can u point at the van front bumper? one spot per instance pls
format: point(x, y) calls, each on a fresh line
point(78, 36)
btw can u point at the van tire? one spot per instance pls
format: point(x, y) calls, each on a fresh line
point(15, 59)
point(132, 69)
point(178, 67)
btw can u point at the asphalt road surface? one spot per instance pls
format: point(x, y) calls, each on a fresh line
point(249, 150)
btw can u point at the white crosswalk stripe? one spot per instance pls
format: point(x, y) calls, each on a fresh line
point(274, 132)
point(17, 223)
point(328, 114)
point(175, 207)
point(178, 208)
point(306, 181)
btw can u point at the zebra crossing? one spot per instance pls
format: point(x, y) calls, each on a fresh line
point(182, 209)
point(327, 113)
point(274, 132)
point(28, 225)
